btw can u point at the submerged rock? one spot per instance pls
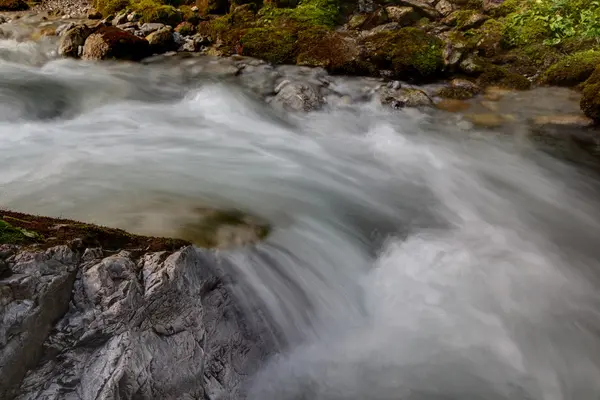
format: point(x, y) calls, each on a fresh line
point(113, 43)
point(404, 97)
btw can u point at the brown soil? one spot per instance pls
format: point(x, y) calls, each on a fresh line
point(53, 232)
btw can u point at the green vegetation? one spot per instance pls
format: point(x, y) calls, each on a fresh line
point(573, 69)
point(110, 7)
point(154, 11)
point(501, 77)
point(552, 21)
point(14, 235)
point(409, 52)
point(272, 44)
point(310, 12)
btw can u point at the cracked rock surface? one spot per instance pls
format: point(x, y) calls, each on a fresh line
point(90, 325)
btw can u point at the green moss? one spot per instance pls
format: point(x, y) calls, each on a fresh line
point(519, 29)
point(13, 235)
point(108, 7)
point(508, 7)
point(590, 101)
point(193, 17)
point(409, 52)
point(309, 12)
point(462, 17)
point(573, 69)
point(273, 44)
point(153, 11)
point(498, 76)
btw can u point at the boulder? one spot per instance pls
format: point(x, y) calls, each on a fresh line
point(404, 97)
point(444, 7)
point(185, 29)
point(113, 43)
point(121, 18)
point(94, 14)
point(161, 41)
point(590, 100)
point(150, 27)
point(72, 39)
point(297, 96)
point(460, 89)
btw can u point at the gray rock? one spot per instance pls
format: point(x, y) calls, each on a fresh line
point(133, 17)
point(423, 7)
point(400, 98)
point(162, 40)
point(128, 25)
point(471, 65)
point(403, 15)
point(73, 39)
point(90, 326)
point(150, 27)
point(390, 26)
point(62, 29)
point(120, 19)
point(297, 96)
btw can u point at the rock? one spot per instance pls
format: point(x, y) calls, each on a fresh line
point(488, 120)
point(188, 46)
point(356, 21)
point(391, 26)
point(400, 98)
point(161, 41)
point(162, 325)
point(474, 21)
point(150, 27)
point(404, 16)
point(460, 89)
point(568, 120)
point(185, 29)
point(490, 5)
point(134, 17)
point(471, 65)
point(444, 7)
point(128, 25)
point(422, 7)
point(73, 39)
point(62, 29)
point(113, 43)
point(13, 5)
point(590, 101)
point(3, 19)
point(453, 53)
point(452, 105)
point(94, 14)
point(297, 96)
point(121, 18)
point(195, 8)
point(494, 93)
point(366, 6)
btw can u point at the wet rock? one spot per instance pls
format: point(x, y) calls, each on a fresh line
point(121, 18)
point(113, 43)
point(134, 17)
point(568, 120)
point(590, 101)
point(452, 105)
point(391, 26)
point(94, 14)
point(460, 89)
point(357, 21)
point(474, 21)
point(73, 39)
point(161, 325)
point(128, 26)
point(62, 29)
point(297, 96)
point(488, 120)
point(404, 16)
point(404, 97)
point(471, 65)
point(150, 27)
point(494, 93)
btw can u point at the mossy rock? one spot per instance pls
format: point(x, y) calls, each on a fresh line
point(507, 7)
point(503, 78)
point(213, 6)
point(334, 51)
point(308, 12)
point(153, 11)
point(519, 31)
point(110, 7)
point(185, 28)
point(13, 5)
point(572, 70)
point(590, 101)
point(456, 93)
point(273, 44)
point(487, 38)
point(191, 16)
point(409, 52)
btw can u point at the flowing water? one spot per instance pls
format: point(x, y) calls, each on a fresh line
point(406, 261)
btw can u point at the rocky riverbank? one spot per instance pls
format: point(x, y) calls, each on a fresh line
point(91, 312)
point(512, 44)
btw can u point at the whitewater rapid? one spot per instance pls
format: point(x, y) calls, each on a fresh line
point(408, 260)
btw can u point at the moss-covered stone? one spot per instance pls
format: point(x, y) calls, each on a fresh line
point(190, 15)
point(154, 11)
point(185, 28)
point(519, 31)
point(334, 51)
point(308, 12)
point(573, 69)
point(110, 7)
point(501, 77)
point(273, 44)
point(212, 6)
point(13, 5)
point(507, 7)
point(590, 101)
point(455, 93)
point(409, 52)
